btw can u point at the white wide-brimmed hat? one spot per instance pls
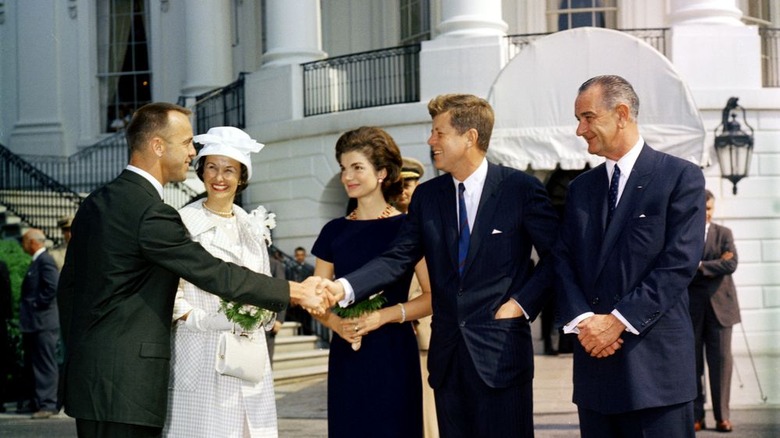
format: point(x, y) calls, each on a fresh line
point(230, 142)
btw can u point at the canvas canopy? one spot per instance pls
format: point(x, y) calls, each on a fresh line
point(533, 98)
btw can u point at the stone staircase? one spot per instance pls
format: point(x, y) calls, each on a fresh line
point(298, 356)
point(10, 225)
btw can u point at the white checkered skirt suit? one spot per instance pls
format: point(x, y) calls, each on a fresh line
point(203, 403)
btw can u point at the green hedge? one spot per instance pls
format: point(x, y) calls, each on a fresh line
point(18, 261)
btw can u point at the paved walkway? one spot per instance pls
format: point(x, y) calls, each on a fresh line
point(302, 405)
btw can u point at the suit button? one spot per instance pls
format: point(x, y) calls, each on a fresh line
point(460, 292)
point(463, 323)
point(595, 301)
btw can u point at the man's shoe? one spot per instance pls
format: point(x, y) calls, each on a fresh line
point(699, 425)
point(43, 415)
point(723, 426)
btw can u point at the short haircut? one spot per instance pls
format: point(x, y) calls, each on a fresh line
point(149, 121)
point(466, 112)
point(708, 195)
point(615, 90)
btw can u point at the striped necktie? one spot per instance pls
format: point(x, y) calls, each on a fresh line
point(613, 192)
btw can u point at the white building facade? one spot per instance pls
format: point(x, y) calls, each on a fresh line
point(72, 70)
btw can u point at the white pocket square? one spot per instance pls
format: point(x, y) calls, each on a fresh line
point(642, 215)
point(495, 231)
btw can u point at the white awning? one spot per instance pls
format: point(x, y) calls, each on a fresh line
point(533, 98)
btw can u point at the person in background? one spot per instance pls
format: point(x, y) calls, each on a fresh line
point(475, 226)
point(64, 223)
point(374, 368)
point(714, 310)
point(411, 173)
point(117, 289)
point(220, 405)
point(39, 323)
point(629, 244)
point(298, 270)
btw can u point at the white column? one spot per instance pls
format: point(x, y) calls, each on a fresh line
point(293, 32)
point(471, 18)
point(705, 12)
point(712, 48)
point(38, 127)
point(208, 44)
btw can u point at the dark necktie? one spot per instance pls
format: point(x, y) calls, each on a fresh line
point(613, 192)
point(465, 234)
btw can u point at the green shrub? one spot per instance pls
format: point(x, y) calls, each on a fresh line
point(18, 261)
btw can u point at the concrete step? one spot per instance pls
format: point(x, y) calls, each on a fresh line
point(289, 328)
point(288, 344)
point(300, 359)
point(299, 373)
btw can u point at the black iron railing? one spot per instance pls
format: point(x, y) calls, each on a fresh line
point(221, 107)
point(770, 56)
point(33, 196)
point(88, 169)
point(656, 37)
point(362, 80)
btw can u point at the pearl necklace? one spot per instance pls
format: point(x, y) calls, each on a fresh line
point(385, 213)
point(219, 213)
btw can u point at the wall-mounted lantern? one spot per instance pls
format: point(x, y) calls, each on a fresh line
point(733, 146)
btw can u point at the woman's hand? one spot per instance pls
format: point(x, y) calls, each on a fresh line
point(368, 322)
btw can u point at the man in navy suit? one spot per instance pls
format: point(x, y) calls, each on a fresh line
point(475, 226)
point(631, 240)
point(39, 323)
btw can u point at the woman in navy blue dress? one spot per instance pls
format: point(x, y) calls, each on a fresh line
point(374, 382)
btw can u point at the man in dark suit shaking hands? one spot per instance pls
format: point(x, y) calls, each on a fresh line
point(475, 226)
point(714, 310)
point(117, 288)
point(630, 242)
point(40, 323)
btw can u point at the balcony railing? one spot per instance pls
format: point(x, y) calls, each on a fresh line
point(658, 39)
point(362, 80)
point(221, 107)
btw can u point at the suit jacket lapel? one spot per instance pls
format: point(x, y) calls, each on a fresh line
point(637, 183)
point(141, 181)
point(449, 220)
point(483, 219)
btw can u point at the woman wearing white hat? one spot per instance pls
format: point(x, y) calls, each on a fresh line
point(203, 402)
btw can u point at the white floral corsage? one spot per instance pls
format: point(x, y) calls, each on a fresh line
point(264, 222)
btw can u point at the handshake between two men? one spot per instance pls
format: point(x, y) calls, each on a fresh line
point(316, 294)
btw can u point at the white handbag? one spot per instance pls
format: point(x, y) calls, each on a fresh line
point(240, 355)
